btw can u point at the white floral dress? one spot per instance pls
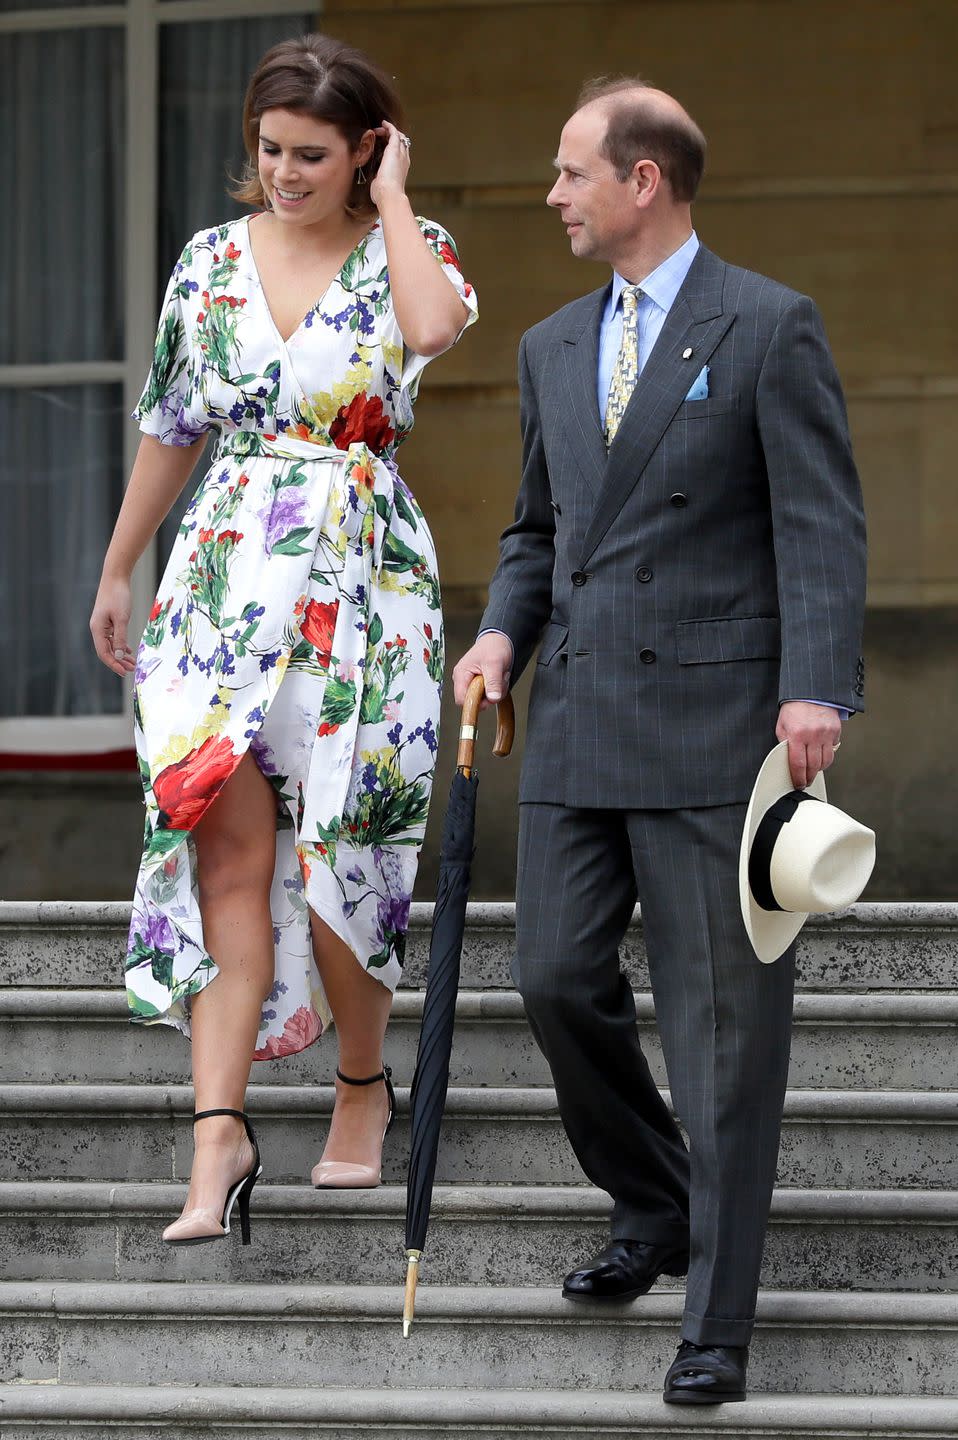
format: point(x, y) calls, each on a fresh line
point(298, 617)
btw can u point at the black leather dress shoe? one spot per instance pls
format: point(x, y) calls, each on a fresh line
point(706, 1374)
point(623, 1270)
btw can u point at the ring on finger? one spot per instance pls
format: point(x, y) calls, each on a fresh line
point(837, 745)
point(405, 140)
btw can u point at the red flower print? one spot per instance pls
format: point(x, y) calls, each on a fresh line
point(427, 631)
point(448, 256)
point(184, 790)
point(157, 610)
point(300, 1030)
point(327, 729)
point(231, 252)
point(200, 318)
point(362, 421)
point(319, 626)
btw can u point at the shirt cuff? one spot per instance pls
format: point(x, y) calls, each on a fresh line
point(843, 713)
point(491, 630)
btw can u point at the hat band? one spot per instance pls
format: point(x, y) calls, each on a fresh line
point(766, 837)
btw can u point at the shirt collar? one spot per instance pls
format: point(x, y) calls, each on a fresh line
point(666, 279)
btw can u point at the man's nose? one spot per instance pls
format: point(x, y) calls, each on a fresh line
point(554, 196)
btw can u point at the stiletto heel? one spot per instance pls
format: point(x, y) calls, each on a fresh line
point(343, 1174)
point(240, 1191)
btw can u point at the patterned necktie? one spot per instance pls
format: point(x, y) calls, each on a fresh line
point(626, 371)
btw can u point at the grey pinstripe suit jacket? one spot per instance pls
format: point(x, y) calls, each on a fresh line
point(706, 568)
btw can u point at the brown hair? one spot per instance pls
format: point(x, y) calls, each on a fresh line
point(640, 129)
point(327, 80)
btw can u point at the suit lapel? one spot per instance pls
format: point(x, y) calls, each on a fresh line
point(579, 344)
point(695, 322)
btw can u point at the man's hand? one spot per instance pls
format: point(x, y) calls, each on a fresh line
point(813, 733)
point(490, 657)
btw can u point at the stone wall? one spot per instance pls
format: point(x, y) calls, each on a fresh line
point(833, 166)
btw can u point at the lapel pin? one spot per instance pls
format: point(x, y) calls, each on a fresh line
point(687, 353)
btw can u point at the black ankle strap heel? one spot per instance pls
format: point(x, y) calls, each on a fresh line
point(385, 1074)
point(243, 1189)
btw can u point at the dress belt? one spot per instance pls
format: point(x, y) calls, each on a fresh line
point(369, 480)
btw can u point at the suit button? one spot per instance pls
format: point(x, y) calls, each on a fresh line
point(678, 500)
point(647, 657)
point(579, 577)
point(644, 574)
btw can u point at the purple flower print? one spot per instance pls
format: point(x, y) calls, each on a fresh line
point(392, 914)
point(287, 512)
point(355, 876)
point(156, 934)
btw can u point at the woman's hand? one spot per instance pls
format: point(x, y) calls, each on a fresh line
point(109, 623)
point(390, 178)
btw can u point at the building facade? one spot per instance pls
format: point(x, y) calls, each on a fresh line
point(833, 166)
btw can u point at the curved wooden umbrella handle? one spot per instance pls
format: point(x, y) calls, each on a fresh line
point(505, 725)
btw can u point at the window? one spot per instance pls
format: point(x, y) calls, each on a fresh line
point(122, 123)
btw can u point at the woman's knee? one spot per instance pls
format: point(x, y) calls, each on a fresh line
point(227, 865)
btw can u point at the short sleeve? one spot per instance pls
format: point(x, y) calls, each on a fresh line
point(169, 408)
point(443, 247)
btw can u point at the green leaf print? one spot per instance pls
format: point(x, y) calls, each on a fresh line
point(404, 509)
point(163, 841)
point(161, 969)
point(292, 543)
point(169, 361)
point(397, 556)
point(382, 507)
point(339, 701)
point(372, 709)
point(375, 633)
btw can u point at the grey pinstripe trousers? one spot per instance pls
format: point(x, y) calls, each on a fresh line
point(724, 1021)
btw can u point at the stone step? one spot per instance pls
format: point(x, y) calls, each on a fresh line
point(847, 1139)
point(877, 946)
point(92, 1412)
point(478, 1235)
point(854, 1041)
point(812, 1342)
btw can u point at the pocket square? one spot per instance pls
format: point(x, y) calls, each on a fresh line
point(700, 386)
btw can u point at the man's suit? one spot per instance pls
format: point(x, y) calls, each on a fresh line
point(706, 568)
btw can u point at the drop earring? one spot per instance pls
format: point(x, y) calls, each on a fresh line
point(360, 176)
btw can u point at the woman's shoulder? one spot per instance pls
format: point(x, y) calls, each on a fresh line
point(207, 245)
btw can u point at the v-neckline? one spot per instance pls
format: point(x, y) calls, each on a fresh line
point(287, 340)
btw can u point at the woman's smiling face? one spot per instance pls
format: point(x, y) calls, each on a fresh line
point(306, 167)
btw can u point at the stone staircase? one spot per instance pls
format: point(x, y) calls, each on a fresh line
point(104, 1332)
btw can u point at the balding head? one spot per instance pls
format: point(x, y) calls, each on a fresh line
point(647, 124)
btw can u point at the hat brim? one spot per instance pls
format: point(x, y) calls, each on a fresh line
point(770, 931)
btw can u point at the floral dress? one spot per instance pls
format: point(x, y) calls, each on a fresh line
point(298, 618)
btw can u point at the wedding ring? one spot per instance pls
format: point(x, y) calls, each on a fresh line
point(405, 140)
point(837, 745)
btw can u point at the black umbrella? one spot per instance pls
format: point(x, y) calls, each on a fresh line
point(428, 1095)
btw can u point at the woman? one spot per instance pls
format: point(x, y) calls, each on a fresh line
point(288, 679)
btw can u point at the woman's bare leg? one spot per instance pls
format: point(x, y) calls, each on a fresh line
point(236, 852)
point(360, 1006)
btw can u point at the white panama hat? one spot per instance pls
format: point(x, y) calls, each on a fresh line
point(797, 859)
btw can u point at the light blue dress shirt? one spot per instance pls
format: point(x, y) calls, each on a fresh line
point(658, 296)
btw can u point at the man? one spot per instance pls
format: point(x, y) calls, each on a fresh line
point(688, 546)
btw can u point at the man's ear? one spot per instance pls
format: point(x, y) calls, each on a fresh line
point(647, 179)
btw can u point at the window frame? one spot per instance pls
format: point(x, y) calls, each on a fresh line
point(54, 736)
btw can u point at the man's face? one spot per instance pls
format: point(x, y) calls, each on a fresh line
point(598, 211)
